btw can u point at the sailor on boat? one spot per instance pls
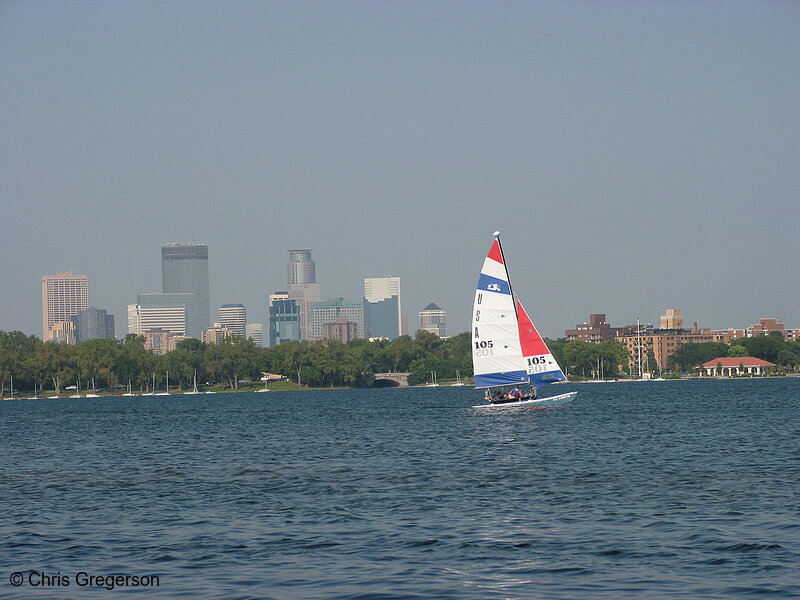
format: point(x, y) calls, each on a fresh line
point(515, 395)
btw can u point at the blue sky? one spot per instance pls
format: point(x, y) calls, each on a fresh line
point(637, 156)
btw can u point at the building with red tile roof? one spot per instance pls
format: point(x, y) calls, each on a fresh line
point(736, 365)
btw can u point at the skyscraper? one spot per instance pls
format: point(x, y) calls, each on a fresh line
point(433, 319)
point(184, 269)
point(301, 269)
point(382, 309)
point(302, 286)
point(64, 295)
point(234, 317)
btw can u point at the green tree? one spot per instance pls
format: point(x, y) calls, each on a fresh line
point(232, 358)
point(96, 360)
point(134, 364)
point(692, 355)
point(765, 347)
point(16, 350)
point(737, 350)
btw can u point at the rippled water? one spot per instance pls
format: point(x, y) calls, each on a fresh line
point(635, 490)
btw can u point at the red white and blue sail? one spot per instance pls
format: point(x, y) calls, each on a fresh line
point(539, 363)
point(496, 352)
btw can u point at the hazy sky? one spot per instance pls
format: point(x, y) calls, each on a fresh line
point(636, 156)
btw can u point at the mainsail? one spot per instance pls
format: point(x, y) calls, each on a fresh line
point(496, 353)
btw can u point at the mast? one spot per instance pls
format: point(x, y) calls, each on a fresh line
point(508, 277)
point(639, 345)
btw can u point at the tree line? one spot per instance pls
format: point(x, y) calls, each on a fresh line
point(110, 363)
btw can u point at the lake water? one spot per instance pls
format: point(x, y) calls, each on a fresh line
point(686, 489)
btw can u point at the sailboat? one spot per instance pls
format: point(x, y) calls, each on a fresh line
point(152, 391)
point(77, 393)
point(94, 393)
point(166, 390)
point(194, 385)
point(507, 349)
point(458, 382)
point(432, 382)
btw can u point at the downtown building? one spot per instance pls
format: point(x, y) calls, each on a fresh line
point(144, 318)
point(433, 320)
point(216, 333)
point(284, 319)
point(382, 308)
point(159, 341)
point(302, 286)
point(234, 317)
point(64, 295)
point(255, 332)
point(93, 323)
point(184, 270)
point(341, 330)
point(333, 310)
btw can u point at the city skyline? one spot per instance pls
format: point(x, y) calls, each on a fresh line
point(633, 155)
point(327, 298)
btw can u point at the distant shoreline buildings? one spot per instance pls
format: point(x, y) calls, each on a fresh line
point(663, 341)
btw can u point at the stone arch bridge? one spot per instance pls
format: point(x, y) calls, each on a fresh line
point(391, 380)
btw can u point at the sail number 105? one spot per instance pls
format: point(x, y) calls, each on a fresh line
point(484, 348)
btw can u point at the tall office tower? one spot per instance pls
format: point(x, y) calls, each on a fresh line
point(234, 317)
point(382, 310)
point(301, 269)
point(284, 319)
point(327, 311)
point(93, 323)
point(64, 295)
point(302, 285)
point(184, 270)
point(255, 332)
point(168, 318)
point(433, 319)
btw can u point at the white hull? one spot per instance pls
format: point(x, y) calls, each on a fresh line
point(548, 401)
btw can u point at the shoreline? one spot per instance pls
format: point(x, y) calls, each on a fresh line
point(422, 386)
